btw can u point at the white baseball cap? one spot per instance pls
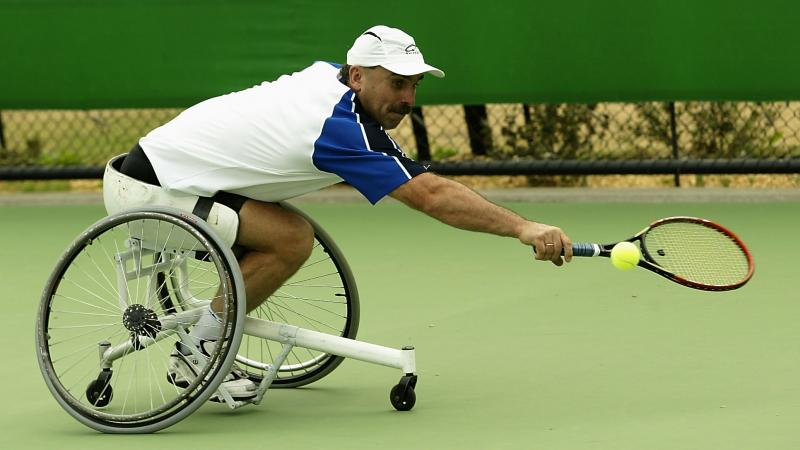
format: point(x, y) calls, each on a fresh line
point(392, 49)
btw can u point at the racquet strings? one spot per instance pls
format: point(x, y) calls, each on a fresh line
point(697, 253)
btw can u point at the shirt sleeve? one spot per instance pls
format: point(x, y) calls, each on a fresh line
point(356, 148)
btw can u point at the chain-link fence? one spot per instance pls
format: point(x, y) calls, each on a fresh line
point(611, 131)
point(592, 134)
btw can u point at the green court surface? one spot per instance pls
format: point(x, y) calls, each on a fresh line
point(511, 353)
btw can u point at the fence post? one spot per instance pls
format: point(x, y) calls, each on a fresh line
point(2, 134)
point(480, 136)
point(674, 136)
point(526, 113)
point(420, 134)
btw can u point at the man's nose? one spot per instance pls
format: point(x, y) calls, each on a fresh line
point(409, 96)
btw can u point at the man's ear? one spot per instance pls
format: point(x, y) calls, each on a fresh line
point(356, 78)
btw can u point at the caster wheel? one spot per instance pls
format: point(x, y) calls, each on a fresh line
point(402, 399)
point(402, 395)
point(99, 392)
point(98, 396)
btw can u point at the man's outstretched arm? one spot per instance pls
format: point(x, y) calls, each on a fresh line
point(457, 205)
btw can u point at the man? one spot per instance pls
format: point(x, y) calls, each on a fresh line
point(248, 150)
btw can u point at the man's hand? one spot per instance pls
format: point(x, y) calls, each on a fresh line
point(548, 242)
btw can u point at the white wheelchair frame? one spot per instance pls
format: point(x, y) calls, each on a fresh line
point(286, 335)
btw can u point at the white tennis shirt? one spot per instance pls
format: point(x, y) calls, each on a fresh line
point(278, 140)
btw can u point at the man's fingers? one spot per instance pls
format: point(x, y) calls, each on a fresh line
point(552, 245)
point(542, 250)
point(567, 248)
point(555, 250)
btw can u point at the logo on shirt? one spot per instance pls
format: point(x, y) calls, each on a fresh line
point(412, 50)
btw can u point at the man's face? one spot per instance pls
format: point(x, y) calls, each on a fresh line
point(386, 96)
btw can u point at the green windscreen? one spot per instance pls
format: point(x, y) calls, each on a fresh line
point(173, 53)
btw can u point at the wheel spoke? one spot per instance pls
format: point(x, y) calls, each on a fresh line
point(315, 298)
point(82, 316)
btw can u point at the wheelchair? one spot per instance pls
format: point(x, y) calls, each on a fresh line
point(131, 287)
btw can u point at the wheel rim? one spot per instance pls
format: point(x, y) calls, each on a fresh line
point(320, 296)
point(81, 308)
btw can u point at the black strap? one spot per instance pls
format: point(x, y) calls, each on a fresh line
point(203, 207)
point(137, 166)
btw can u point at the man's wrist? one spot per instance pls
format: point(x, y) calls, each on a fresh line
point(519, 228)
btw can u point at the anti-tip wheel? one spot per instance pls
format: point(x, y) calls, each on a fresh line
point(99, 393)
point(402, 395)
point(402, 399)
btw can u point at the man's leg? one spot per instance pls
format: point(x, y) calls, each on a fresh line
point(278, 242)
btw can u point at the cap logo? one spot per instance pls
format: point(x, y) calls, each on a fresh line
point(412, 50)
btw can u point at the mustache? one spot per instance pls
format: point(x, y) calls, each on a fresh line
point(401, 109)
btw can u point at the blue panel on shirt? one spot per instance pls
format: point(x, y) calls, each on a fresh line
point(341, 149)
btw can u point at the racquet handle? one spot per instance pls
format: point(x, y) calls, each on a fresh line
point(581, 249)
point(584, 249)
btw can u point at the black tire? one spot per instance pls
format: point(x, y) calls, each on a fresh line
point(402, 398)
point(99, 392)
point(321, 296)
point(82, 309)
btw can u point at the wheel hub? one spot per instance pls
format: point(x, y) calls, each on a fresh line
point(141, 321)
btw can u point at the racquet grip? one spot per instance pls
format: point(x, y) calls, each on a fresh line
point(581, 249)
point(584, 249)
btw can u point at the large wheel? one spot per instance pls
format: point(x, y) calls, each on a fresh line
point(103, 299)
point(321, 296)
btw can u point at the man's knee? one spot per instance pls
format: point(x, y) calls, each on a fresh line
point(269, 228)
point(292, 248)
point(299, 240)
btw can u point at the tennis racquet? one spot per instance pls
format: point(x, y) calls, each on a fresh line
point(693, 252)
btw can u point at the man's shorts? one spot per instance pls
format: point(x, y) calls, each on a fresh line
point(130, 182)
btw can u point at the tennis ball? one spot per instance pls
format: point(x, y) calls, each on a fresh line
point(625, 255)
